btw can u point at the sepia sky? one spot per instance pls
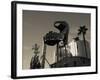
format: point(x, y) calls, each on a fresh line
point(37, 23)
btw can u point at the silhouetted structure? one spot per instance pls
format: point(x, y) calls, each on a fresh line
point(71, 54)
point(35, 63)
point(53, 38)
point(79, 48)
point(63, 27)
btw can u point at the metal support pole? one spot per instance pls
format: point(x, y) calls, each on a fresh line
point(44, 54)
point(57, 53)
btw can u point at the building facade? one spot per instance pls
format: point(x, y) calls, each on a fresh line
point(77, 56)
